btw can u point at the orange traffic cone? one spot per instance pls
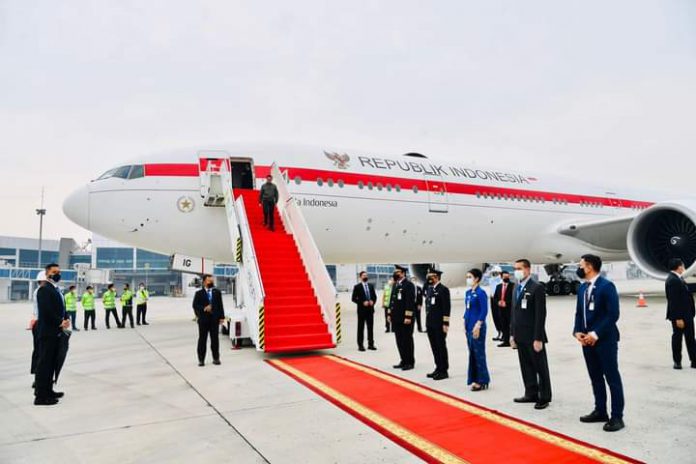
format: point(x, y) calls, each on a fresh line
point(641, 301)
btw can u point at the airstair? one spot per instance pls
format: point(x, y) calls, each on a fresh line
point(284, 290)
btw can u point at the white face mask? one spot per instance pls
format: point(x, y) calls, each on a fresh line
point(519, 275)
point(469, 282)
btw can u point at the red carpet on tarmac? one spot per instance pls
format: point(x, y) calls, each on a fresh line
point(436, 426)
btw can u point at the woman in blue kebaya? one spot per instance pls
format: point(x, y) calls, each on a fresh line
point(476, 301)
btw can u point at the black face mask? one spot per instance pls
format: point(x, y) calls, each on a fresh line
point(581, 273)
point(364, 279)
point(56, 277)
point(396, 276)
point(506, 280)
point(209, 285)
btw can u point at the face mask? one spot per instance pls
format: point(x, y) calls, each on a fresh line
point(396, 276)
point(56, 277)
point(469, 282)
point(209, 285)
point(519, 275)
point(364, 279)
point(431, 281)
point(141, 288)
point(506, 280)
point(581, 273)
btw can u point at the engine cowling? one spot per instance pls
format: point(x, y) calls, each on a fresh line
point(453, 274)
point(662, 232)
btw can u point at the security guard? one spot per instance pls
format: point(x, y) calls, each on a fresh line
point(109, 299)
point(126, 306)
point(437, 316)
point(141, 297)
point(386, 299)
point(402, 308)
point(71, 306)
point(87, 302)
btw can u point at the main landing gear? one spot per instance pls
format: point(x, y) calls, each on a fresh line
point(560, 282)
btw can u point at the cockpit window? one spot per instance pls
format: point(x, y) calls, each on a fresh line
point(136, 172)
point(120, 172)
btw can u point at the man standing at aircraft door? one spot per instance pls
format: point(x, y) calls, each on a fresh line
point(401, 311)
point(365, 297)
point(268, 197)
point(596, 315)
point(210, 313)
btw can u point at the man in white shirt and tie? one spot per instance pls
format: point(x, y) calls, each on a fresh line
point(365, 297)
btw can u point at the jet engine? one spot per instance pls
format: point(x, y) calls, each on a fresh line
point(662, 232)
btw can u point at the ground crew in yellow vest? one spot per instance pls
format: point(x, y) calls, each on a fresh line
point(386, 298)
point(126, 306)
point(71, 306)
point(109, 300)
point(141, 297)
point(88, 306)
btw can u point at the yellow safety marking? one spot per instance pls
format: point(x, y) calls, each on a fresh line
point(262, 327)
point(338, 323)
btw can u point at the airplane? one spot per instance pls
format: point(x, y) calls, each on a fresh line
point(364, 207)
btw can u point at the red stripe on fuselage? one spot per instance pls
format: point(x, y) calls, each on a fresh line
point(349, 178)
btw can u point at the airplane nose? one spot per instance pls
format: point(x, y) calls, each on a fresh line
point(76, 207)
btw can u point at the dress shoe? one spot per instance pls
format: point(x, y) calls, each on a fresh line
point(432, 374)
point(525, 399)
point(216, 362)
point(45, 401)
point(440, 376)
point(398, 366)
point(614, 425)
point(496, 339)
point(677, 366)
point(407, 367)
point(361, 348)
point(372, 348)
point(56, 394)
point(146, 323)
point(503, 344)
point(478, 388)
point(593, 417)
point(541, 405)
point(201, 364)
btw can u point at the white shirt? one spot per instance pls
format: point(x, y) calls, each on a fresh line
point(589, 291)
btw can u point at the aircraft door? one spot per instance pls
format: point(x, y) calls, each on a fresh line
point(438, 198)
point(242, 170)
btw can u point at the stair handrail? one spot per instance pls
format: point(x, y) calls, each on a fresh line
point(295, 223)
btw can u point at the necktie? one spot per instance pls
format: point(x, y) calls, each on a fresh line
point(210, 296)
point(367, 291)
point(519, 291)
point(502, 292)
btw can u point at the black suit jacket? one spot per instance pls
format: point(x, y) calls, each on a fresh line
point(401, 309)
point(529, 324)
point(419, 296)
point(200, 301)
point(437, 307)
point(508, 295)
point(680, 302)
point(51, 311)
point(359, 296)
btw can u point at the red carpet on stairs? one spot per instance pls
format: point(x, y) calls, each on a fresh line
point(436, 426)
point(293, 316)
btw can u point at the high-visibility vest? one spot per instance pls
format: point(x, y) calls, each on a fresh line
point(127, 298)
point(109, 299)
point(142, 296)
point(386, 298)
point(87, 301)
point(71, 302)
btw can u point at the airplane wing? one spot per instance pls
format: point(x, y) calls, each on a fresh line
point(607, 234)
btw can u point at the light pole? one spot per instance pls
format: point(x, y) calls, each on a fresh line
point(41, 212)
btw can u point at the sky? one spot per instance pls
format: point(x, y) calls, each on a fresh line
point(604, 90)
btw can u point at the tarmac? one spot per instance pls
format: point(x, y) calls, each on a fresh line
point(138, 395)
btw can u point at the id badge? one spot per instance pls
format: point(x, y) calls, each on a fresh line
point(591, 308)
point(398, 297)
point(432, 301)
point(524, 303)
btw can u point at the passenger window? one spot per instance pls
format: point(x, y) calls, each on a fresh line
point(379, 187)
point(298, 180)
point(397, 187)
point(369, 186)
point(330, 182)
point(136, 172)
point(340, 183)
point(320, 182)
point(361, 185)
point(389, 187)
point(415, 189)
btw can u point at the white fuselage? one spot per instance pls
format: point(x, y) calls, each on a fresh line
point(367, 208)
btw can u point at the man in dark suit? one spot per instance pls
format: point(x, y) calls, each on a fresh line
point(596, 315)
point(528, 334)
point(51, 322)
point(437, 315)
point(401, 311)
point(419, 304)
point(680, 311)
point(502, 303)
point(207, 304)
point(365, 297)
